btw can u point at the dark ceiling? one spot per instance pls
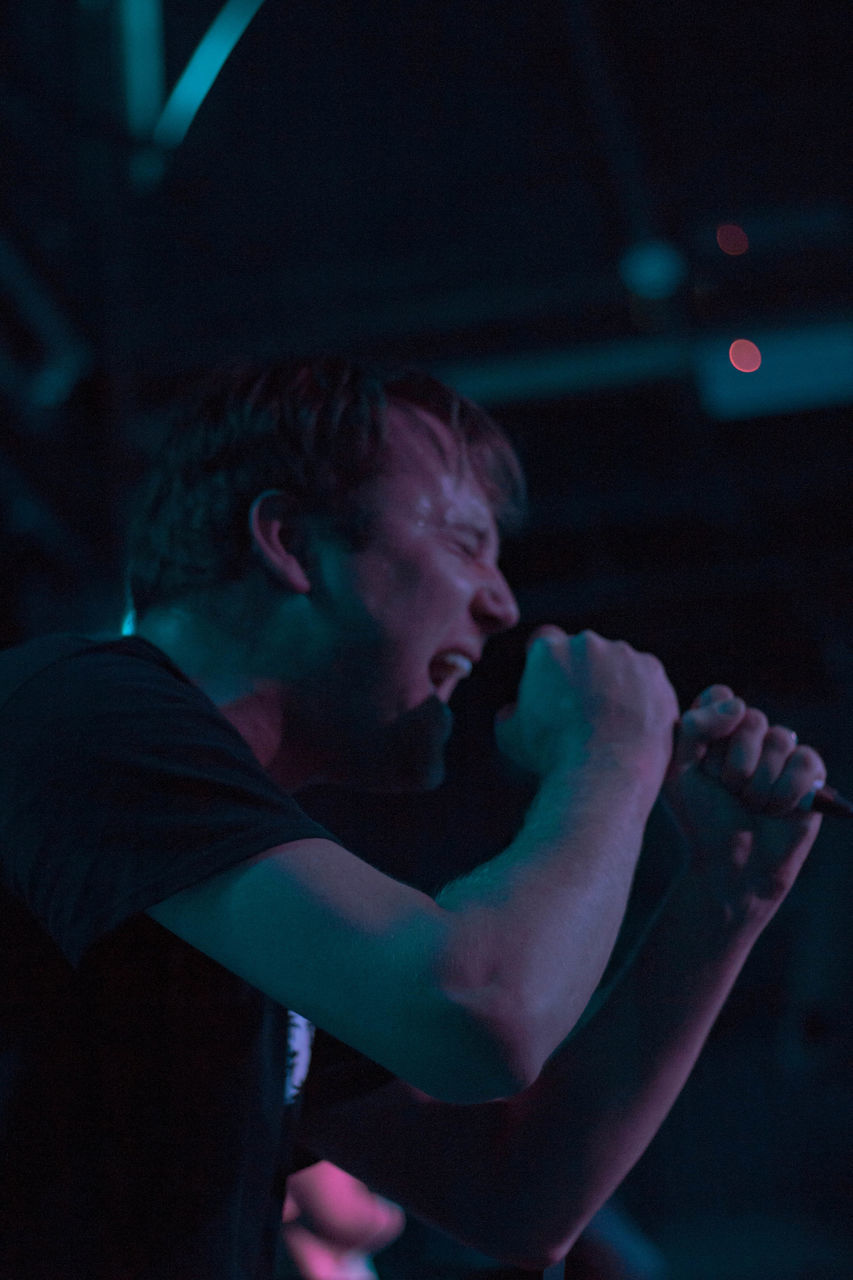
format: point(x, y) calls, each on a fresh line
point(523, 196)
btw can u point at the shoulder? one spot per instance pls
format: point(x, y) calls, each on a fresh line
point(122, 691)
point(66, 663)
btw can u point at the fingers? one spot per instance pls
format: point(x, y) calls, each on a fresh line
point(714, 693)
point(714, 716)
point(744, 751)
point(339, 1211)
point(804, 773)
point(764, 766)
point(548, 632)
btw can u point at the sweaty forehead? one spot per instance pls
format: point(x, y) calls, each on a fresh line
point(427, 467)
point(424, 455)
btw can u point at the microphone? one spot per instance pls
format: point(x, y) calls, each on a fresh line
point(828, 801)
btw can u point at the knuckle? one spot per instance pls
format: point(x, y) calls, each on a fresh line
point(546, 631)
point(755, 720)
point(785, 786)
point(716, 693)
point(807, 758)
point(778, 736)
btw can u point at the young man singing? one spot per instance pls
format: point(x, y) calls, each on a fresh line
point(315, 570)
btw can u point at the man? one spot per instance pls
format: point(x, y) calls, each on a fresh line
point(315, 570)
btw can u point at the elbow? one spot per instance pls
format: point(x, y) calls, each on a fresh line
point(519, 1050)
point(482, 1066)
point(504, 1054)
point(507, 1028)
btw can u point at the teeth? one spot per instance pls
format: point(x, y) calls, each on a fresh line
point(458, 660)
point(449, 664)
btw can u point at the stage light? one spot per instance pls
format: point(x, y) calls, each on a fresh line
point(745, 355)
point(802, 368)
point(653, 269)
point(732, 239)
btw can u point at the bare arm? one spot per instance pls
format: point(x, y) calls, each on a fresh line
point(520, 1178)
point(466, 998)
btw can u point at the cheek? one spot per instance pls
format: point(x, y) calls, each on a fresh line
point(388, 584)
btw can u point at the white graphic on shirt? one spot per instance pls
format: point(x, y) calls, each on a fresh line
point(300, 1034)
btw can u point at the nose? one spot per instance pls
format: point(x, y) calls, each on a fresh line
point(494, 605)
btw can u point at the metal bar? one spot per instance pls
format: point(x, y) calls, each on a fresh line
point(196, 81)
point(143, 64)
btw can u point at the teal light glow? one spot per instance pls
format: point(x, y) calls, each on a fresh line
point(141, 23)
point(211, 54)
point(804, 368)
point(808, 367)
point(653, 269)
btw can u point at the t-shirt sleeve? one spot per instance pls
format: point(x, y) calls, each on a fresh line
point(122, 784)
point(338, 1074)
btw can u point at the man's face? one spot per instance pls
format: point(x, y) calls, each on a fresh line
point(410, 610)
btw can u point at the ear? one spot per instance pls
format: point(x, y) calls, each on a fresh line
point(273, 530)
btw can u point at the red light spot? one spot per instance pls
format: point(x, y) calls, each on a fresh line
point(745, 355)
point(732, 239)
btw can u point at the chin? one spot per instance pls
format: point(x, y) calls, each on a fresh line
point(399, 782)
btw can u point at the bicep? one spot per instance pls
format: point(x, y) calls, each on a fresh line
point(325, 934)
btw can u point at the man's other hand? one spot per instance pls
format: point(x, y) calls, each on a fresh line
point(739, 789)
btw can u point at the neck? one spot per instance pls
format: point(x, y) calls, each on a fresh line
point(263, 709)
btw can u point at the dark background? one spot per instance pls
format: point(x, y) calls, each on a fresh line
point(524, 197)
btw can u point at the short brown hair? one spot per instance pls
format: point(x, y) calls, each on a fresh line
point(315, 429)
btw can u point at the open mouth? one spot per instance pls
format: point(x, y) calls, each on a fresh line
point(447, 669)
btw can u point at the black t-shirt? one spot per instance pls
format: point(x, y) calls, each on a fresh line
point(147, 1095)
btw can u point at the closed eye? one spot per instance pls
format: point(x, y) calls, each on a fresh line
point(469, 539)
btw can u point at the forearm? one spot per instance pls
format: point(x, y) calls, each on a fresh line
point(466, 999)
point(570, 1139)
point(520, 1178)
point(533, 929)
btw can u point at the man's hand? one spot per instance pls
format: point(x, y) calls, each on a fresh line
point(586, 699)
point(603, 1093)
point(331, 1223)
point(737, 785)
